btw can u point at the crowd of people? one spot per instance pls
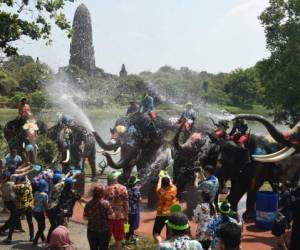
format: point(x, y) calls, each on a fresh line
point(114, 210)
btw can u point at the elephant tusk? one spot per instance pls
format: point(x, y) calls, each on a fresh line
point(281, 151)
point(276, 158)
point(109, 152)
point(68, 157)
point(54, 158)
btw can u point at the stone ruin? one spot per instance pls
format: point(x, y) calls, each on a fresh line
point(82, 49)
point(123, 72)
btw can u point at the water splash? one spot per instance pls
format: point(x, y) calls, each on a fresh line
point(63, 95)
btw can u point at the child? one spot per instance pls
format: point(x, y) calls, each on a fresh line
point(134, 197)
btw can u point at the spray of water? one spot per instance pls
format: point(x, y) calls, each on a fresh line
point(204, 110)
point(63, 95)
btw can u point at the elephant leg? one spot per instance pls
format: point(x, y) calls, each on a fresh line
point(255, 184)
point(238, 189)
point(92, 162)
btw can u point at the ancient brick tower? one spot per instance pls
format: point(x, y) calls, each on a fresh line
point(123, 72)
point(82, 50)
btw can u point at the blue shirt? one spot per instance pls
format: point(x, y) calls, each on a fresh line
point(147, 104)
point(214, 225)
point(210, 185)
point(12, 162)
point(40, 198)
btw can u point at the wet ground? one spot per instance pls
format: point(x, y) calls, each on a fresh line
point(253, 238)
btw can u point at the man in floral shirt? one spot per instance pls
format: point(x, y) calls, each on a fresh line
point(117, 195)
point(179, 231)
point(24, 205)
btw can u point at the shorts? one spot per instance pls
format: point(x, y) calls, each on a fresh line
point(116, 228)
point(159, 223)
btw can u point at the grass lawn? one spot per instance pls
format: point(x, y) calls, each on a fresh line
point(255, 109)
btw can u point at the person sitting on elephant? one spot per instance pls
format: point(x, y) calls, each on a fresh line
point(133, 108)
point(24, 109)
point(188, 116)
point(294, 134)
point(221, 130)
point(147, 104)
point(238, 134)
point(12, 160)
point(208, 182)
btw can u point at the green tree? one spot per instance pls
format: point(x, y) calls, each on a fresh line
point(241, 86)
point(15, 62)
point(33, 76)
point(280, 74)
point(25, 18)
point(7, 83)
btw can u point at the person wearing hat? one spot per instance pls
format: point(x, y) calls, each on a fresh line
point(166, 194)
point(9, 199)
point(24, 205)
point(224, 217)
point(147, 104)
point(12, 160)
point(133, 108)
point(238, 132)
point(179, 234)
point(53, 209)
point(67, 200)
point(188, 114)
point(117, 195)
point(134, 197)
point(40, 207)
point(221, 130)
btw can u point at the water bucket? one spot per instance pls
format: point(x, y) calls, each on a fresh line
point(266, 209)
point(126, 228)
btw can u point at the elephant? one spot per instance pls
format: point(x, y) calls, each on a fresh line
point(141, 140)
point(23, 134)
point(75, 144)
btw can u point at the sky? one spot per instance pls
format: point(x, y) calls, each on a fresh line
point(204, 35)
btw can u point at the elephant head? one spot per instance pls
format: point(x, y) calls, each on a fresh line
point(139, 138)
point(290, 142)
point(62, 136)
point(31, 135)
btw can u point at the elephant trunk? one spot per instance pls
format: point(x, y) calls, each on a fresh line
point(123, 163)
point(102, 144)
point(176, 143)
point(276, 134)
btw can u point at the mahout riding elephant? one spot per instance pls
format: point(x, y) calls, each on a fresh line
point(141, 140)
point(22, 134)
point(75, 144)
point(276, 161)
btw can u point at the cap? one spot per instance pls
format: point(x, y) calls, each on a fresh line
point(175, 208)
point(70, 181)
point(133, 180)
point(57, 177)
point(224, 207)
point(113, 175)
